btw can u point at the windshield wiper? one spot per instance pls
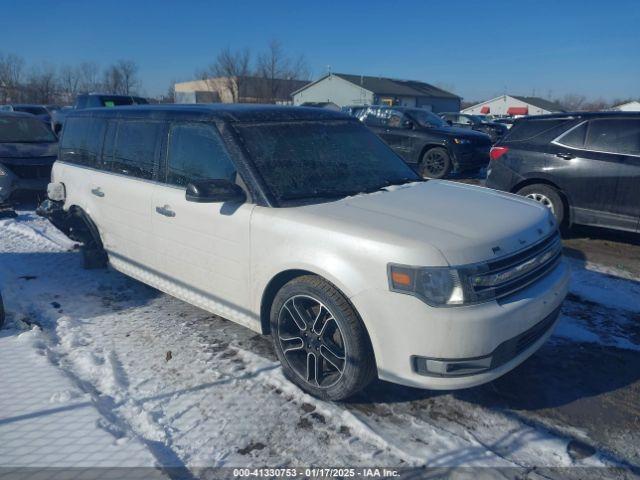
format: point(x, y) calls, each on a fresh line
point(401, 181)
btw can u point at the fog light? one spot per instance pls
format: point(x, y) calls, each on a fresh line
point(451, 368)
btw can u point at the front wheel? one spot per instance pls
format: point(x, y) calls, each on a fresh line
point(547, 196)
point(320, 340)
point(436, 163)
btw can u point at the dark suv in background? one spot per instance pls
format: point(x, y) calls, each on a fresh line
point(426, 142)
point(93, 100)
point(463, 120)
point(584, 166)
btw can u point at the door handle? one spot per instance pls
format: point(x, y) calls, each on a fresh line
point(97, 192)
point(566, 156)
point(166, 211)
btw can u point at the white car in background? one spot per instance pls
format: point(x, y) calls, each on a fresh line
point(301, 223)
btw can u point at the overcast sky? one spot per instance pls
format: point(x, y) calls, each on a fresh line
point(475, 49)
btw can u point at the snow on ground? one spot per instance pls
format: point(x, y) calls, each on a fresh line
point(198, 391)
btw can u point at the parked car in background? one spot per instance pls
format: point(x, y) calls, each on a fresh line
point(27, 151)
point(474, 122)
point(506, 121)
point(40, 111)
point(93, 100)
point(585, 167)
point(300, 222)
point(426, 142)
point(481, 123)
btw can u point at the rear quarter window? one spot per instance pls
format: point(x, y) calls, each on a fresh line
point(82, 140)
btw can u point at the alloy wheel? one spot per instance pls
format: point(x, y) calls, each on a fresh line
point(434, 163)
point(311, 341)
point(543, 199)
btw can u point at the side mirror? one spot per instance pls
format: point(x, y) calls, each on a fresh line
point(408, 124)
point(214, 191)
point(450, 123)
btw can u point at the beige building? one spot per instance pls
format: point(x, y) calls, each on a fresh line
point(237, 90)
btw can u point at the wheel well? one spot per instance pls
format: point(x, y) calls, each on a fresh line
point(82, 228)
point(270, 292)
point(536, 181)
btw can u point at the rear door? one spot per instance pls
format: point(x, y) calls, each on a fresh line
point(605, 154)
point(203, 247)
point(131, 162)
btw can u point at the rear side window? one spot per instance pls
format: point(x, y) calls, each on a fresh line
point(617, 135)
point(524, 130)
point(82, 140)
point(136, 149)
point(196, 152)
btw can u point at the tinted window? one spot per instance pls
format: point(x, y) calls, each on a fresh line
point(136, 149)
point(529, 129)
point(32, 110)
point(24, 129)
point(575, 138)
point(614, 135)
point(322, 159)
point(382, 117)
point(427, 119)
point(196, 152)
point(82, 140)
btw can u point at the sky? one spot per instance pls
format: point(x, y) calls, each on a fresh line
point(476, 49)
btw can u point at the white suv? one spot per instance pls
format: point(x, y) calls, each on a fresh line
point(301, 223)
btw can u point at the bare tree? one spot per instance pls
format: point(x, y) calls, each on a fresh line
point(89, 77)
point(274, 66)
point(11, 69)
point(42, 84)
point(230, 68)
point(69, 82)
point(572, 101)
point(121, 78)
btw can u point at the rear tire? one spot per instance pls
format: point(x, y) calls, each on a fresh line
point(548, 196)
point(435, 163)
point(320, 340)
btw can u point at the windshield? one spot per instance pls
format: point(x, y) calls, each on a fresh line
point(32, 110)
point(24, 130)
point(322, 159)
point(427, 119)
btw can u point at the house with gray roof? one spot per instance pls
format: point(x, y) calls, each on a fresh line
point(344, 90)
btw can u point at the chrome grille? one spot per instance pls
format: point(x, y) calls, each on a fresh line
point(510, 274)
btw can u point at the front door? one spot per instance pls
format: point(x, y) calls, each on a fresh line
point(203, 247)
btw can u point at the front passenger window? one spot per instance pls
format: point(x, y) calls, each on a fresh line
point(196, 152)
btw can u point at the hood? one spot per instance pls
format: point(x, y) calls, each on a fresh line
point(28, 150)
point(465, 223)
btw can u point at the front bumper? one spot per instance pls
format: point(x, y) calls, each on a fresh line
point(10, 183)
point(404, 330)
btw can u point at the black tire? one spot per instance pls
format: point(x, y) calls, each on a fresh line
point(435, 163)
point(548, 196)
point(342, 334)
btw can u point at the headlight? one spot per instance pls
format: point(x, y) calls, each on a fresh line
point(437, 286)
point(461, 141)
